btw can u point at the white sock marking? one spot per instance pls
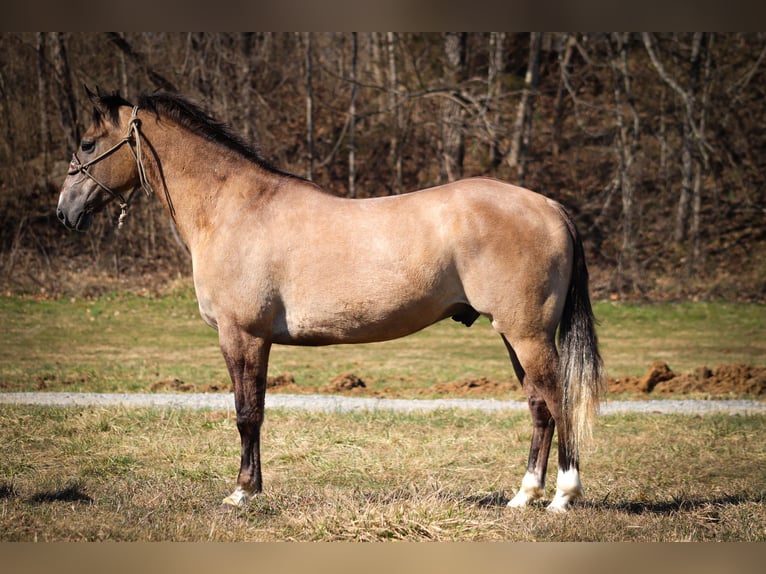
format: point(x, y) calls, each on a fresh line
point(237, 498)
point(568, 488)
point(531, 489)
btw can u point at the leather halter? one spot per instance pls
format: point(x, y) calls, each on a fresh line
point(133, 136)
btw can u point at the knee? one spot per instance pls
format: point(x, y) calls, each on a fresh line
point(247, 419)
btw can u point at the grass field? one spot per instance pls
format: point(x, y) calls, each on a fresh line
point(130, 343)
point(117, 474)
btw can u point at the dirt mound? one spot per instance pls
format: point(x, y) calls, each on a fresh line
point(283, 380)
point(722, 380)
point(173, 384)
point(345, 382)
point(480, 386)
point(659, 379)
point(215, 388)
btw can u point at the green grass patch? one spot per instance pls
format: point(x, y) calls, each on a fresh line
point(685, 335)
point(130, 343)
point(119, 474)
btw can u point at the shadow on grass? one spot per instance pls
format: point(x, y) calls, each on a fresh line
point(7, 490)
point(677, 504)
point(71, 493)
point(489, 500)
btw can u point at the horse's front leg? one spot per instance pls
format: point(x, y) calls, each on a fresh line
point(247, 359)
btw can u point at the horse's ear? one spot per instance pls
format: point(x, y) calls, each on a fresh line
point(92, 96)
point(97, 98)
point(104, 104)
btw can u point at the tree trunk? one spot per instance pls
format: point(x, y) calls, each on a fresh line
point(42, 92)
point(376, 62)
point(691, 135)
point(67, 101)
point(140, 60)
point(494, 95)
point(393, 86)
point(309, 110)
point(352, 118)
point(684, 197)
point(8, 141)
point(701, 165)
point(522, 127)
point(247, 42)
point(123, 71)
point(452, 141)
point(687, 164)
point(565, 59)
point(664, 147)
point(626, 146)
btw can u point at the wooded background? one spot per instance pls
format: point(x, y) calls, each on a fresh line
point(655, 142)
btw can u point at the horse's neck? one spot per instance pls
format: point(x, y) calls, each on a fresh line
point(191, 177)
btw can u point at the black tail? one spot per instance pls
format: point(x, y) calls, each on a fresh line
point(581, 369)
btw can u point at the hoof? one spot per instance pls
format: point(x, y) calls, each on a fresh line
point(531, 489)
point(521, 500)
point(238, 499)
point(562, 502)
point(561, 507)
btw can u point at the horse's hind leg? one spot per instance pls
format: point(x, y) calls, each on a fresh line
point(533, 483)
point(536, 366)
point(247, 359)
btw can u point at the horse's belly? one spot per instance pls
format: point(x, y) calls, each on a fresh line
point(357, 323)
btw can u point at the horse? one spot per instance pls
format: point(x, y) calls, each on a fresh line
point(278, 260)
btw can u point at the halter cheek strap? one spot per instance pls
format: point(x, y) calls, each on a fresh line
point(133, 136)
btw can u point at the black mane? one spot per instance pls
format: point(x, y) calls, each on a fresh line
point(192, 117)
point(108, 104)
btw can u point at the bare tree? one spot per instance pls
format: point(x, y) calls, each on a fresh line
point(141, 61)
point(393, 87)
point(245, 81)
point(495, 94)
point(352, 117)
point(123, 63)
point(8, 142)
point(67, 101)
point(625, 146)
point(42, 94)
point(701, 167)
point(452, 141)
point(693, 137)
point(309, 108)
point(522, 127)
point(565, 59)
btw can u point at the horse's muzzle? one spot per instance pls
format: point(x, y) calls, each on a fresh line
point(61, 216)
point(79, 222)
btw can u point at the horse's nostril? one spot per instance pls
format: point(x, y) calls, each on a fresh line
point(61, 216)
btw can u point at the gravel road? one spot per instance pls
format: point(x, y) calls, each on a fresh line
point(341, 404)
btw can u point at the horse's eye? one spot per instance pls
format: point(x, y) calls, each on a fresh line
point(87, 146)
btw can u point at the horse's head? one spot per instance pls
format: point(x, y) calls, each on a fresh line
point(105, 166)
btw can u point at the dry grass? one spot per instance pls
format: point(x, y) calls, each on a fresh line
point(117, 474)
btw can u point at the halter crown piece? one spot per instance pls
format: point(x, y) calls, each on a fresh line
point(133, 136)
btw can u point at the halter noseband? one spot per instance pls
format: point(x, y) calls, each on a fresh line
point(133, 135)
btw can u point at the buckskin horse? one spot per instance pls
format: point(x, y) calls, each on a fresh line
point(277, 260)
